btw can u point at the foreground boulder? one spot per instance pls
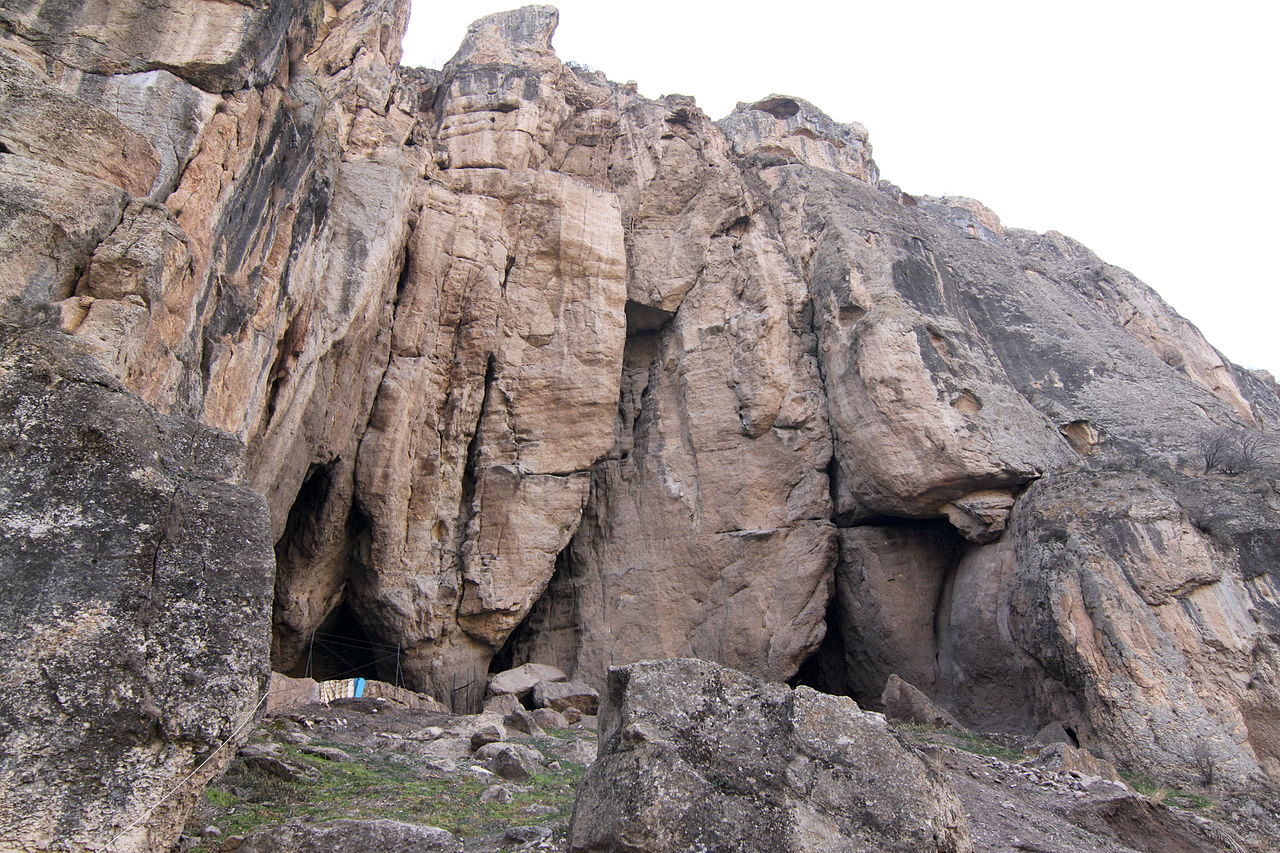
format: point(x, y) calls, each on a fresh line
point(385, 836)
point(134, 623)
point(695, 756)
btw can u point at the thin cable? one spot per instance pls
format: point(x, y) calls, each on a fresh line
point(191, 775)
point(252, 715)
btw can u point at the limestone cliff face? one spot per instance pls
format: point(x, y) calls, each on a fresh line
point(527, 366)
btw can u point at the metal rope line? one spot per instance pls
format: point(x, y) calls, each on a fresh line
point(353, 641)
point(252, 715)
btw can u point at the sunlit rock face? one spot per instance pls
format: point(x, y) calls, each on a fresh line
point(525, 366)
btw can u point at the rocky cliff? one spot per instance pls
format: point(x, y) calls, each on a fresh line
point(512, 363)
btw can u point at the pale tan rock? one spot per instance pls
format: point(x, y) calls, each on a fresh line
point(1064, 758)
point(284, 692)
point(903, 701)
point(781, 129)
point(42, 123)
point(558, 695)
point(502, 703)
point(216, 45)
point(53, 221)
point(520, 681)
point(980, 516)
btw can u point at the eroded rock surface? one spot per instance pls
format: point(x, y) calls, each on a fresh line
point(695, 755)
point(138, 577)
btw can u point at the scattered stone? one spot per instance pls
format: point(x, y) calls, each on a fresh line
point(510, 761)
point(539, 810)
point(1054, 732)
point(902, 701)
point(559, 695)
point(1063, 758)
point(384, 836)
point(520, 681)
point(523, 721)
point(526, 834)
point(496, 794)
point(549, 718)
point(503, 703)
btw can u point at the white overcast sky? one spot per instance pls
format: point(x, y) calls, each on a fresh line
point(1146, 130)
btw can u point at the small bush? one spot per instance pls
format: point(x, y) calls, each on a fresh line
point(1236, 451)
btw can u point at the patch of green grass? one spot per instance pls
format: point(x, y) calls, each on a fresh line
point(247, 799)
point(968, 741)
point(1165, 793)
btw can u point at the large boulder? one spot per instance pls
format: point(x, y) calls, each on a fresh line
point(385, 836)
point(561, 695)
point(136, 615)
point(520, 681)
point(695, 756)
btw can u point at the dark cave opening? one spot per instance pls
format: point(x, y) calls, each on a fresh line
point(341, 648)
point(825, 669)
point(550, 633)
point(888, 611)
point(317, 630)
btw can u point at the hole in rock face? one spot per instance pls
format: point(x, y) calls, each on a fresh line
point(340, 648)
point(301, 530)
point(645, 318)
point(779, 108)
point(889, 612)
point(317, 558)
point(551, 633)
point(825, 670)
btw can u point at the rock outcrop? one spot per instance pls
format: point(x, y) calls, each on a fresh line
point(695, 756)
point(527, 367)
point(137, 605)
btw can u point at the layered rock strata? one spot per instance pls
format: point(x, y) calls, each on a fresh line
point(529, 367)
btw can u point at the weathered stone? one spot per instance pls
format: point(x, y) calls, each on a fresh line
point(487, 734)
point(695, 755)
point(530, 366)
point(40, 122)
point(559, 695)
point(218, 46)
point(511, 761)
point(1065, 758)
point(502, 703)
point(520, 682)
point(174, 608)
point(391, 836)
point(284, 692)
point(903, 701)
point(521, 720)
point(550, 718)
point(496, 794)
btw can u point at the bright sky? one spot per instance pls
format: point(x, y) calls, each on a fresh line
point(1146, 130)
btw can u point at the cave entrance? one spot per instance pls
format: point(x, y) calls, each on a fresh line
point(340, 648)
point(317, 632)
point(889, 614)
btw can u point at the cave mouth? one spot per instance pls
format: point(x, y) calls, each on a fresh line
point(888, 613)
point(317, 560)
point(341, 648)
